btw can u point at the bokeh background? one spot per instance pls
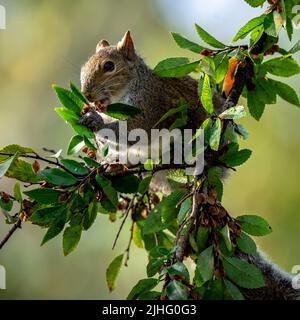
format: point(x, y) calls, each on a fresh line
point(46, 42)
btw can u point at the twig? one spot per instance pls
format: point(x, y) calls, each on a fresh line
point(129, 245)
point(15, 227)
point(37, 157)
point(123, 221)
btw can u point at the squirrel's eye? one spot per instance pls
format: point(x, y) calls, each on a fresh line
point(108, 66)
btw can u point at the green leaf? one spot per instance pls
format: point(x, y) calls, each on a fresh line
point(164, 213)
point(17, 192)
point(242, 273)
point(206, 37)
point(226, 236)
point(153, 266)
point(186, 44)
point(78, 93)
point(215, 136)
point(214, 179)
point(205, 266)
point(105, 150)
point(144, 185)
point(221, 69)
point(295, 48)
point(22, 171)
point(202, 236)
point(232, 290)
point(5, 166)
point(122, 111)
point(46, 216)
point(150, 295)
point(137, 236)
point(108, 189)
point(255, 106)
point(265, 91)
point(6, 205)
point(90, 215)
point(184, 209)
point(126, 184)
point(56, 227)
point(286, 92)
point(282, 66)
point(236, 158)
point(171, 112)
point(179, 269)
point(58, 177)
point(71, 238)
point(206, 95)
point(44, 196)
point(91, 162)
point(255, 3)
point(71, 118)
point(159, 252)
point(148, 165)
point(215, 290)
point(233, 113)
point(141, 287)
point(69, 99)
point(89, 144)
point(248, 27)
point(175, 67)
point(175, 290)
point(13, 149)
point(254, 225)
point(75, 145)
point(74, 166)
point(256, 35)
point(112, 272)
point(246, 244)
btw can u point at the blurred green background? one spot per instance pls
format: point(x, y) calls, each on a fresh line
point(47, 42)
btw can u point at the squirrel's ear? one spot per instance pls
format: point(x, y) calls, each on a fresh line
point(126, 46)
point(101, 44)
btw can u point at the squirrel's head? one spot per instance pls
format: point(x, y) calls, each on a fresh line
point(105, 75)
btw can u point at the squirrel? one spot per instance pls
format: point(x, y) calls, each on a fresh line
point(116, 73)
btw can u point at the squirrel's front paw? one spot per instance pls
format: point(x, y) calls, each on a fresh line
point(92, 120)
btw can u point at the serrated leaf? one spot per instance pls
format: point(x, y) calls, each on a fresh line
point(56, 227)
point(44, 195)
point(283, 67)
point(148, 165)
point(246, 244)
point(179, 269)
point(175, 290)
point(46, 216)
point(91, 162)
point(144, 185)
point(73, 120)
point(205, 266)
point(71, 238)
point(78, 93)
point(90, 215)
point(221, 69)
point(141, 287)
point(122, 111)
point(68, 99)
point(255, 3)
point(215, 136)
point(209, 39)
point(13, 149)
point(17, 192)
point(108, 189)
point(242, 273)
point(175, 67)
point(232, 290)
point(75, 145)
point(184, 209)
point(5, 166)
point(233, 113)
point(153, 266)
point(185, 43)
point(22, 171)
point(206, 95)
point(226, 236)
point(112, 272)
point(286, 92)
point(137, 236)
point(255, 106)
point(201, 238)
point(248, 27)
point(58, 177)
point(254, 225)
point(171, 112)
point(236, 158)
point(126, 184)
point(74, 166)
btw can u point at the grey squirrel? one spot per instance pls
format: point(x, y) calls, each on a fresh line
point(117, 74)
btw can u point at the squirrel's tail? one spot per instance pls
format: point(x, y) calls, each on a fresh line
point(278, 284)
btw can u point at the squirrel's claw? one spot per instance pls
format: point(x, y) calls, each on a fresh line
point(92, 120)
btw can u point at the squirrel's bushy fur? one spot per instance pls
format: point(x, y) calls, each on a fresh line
point(132, 82)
